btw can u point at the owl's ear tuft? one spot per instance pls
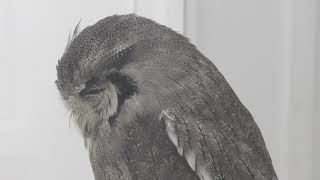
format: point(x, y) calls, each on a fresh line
point(72, 36)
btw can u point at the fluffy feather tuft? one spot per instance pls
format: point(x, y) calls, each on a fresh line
point(72, 36)
point(93, 112)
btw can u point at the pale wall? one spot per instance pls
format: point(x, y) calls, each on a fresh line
point(36, 141)
point(265, 49)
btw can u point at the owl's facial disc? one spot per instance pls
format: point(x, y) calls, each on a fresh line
point(93, 104)
point(97, 102)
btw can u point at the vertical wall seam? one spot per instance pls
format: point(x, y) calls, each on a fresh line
point(316, 118)
point(284, 147)
point(184, 16)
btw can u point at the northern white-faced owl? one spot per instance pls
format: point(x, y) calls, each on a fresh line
point(151, 107)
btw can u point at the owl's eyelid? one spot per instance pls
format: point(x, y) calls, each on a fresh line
point(88, 91)
point(95, 91)
point(78, 89)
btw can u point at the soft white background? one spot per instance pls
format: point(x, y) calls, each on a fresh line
point(267, 50)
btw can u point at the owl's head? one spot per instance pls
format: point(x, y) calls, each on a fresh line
point(90, 79)
point(112, 61)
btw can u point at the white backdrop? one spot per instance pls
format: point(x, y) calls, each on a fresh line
point(36, 141)
point(266, 50)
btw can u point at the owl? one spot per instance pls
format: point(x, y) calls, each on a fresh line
point(151, 106)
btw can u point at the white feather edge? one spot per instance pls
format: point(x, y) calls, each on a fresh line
point(190, 155)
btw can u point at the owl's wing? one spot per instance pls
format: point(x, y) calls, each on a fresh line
point(216, 149)
point(203, 116)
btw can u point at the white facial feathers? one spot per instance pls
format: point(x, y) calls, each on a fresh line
point(93, 111)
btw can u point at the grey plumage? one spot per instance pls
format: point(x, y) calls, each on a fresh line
point(152, 106)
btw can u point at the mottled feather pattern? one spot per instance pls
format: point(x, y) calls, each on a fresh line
point(172, 115)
